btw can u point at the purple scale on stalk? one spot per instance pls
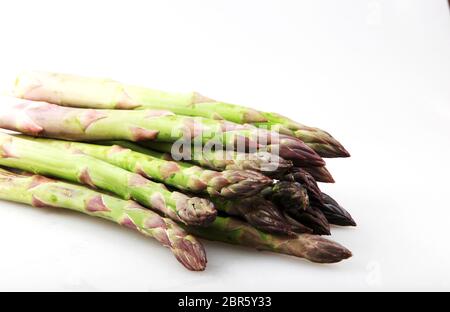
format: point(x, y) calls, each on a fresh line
point(91, 116)
point(96, 204)
point(141, 134)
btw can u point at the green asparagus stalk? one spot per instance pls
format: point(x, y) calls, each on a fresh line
point(260, 213)
point(69, 90)
point(183, 176)
point(44, 119)
point(264, 162)
point(311, 247)
point(40, 191)
point(76, 167)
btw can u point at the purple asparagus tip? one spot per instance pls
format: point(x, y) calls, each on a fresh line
point(191, 254)
point(321, 250)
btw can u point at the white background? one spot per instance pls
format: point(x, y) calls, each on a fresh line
point(376, 73)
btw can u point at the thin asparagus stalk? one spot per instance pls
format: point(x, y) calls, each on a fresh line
point(183, 176)
point(264, 162)
point(311, 247)
point(76, 167)
point(69, 90)
point(334, 213)
point(40, 191)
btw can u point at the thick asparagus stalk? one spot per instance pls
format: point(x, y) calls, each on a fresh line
point(49, 120)
point(264, 162)
point(311, 247)
point(69, 90)
point(183, 176)
point(40, 191)
point(76, 167)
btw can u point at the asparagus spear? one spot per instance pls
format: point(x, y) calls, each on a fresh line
point(287, 195)
point(264, 162)
point(40, 191)
point(69, 90)
point(313, 218)
point(183, 176)
point(44, 119)
point(320, 141)
point(334, 213)
point(261, 214)
point(306, 180)
point(47, 160)
point(320, 174)
point(311, 247)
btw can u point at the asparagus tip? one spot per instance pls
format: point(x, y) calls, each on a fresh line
point(190, 254)
point(321, 250)
point(197, 211)
point(244, 183)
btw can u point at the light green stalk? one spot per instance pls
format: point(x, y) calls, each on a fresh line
point(40, 191)
point(311, 247)
point(49, 120)
point(183, 176)
point(76, 167)
point(70, 90)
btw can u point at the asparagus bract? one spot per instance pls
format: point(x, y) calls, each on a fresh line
point(76, 167)
point(183, 176)
point(40, 191)
point(311, 247)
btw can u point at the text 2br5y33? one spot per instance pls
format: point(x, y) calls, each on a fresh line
point(246, 301)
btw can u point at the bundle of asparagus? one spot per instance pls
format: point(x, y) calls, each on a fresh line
point(219, 171)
